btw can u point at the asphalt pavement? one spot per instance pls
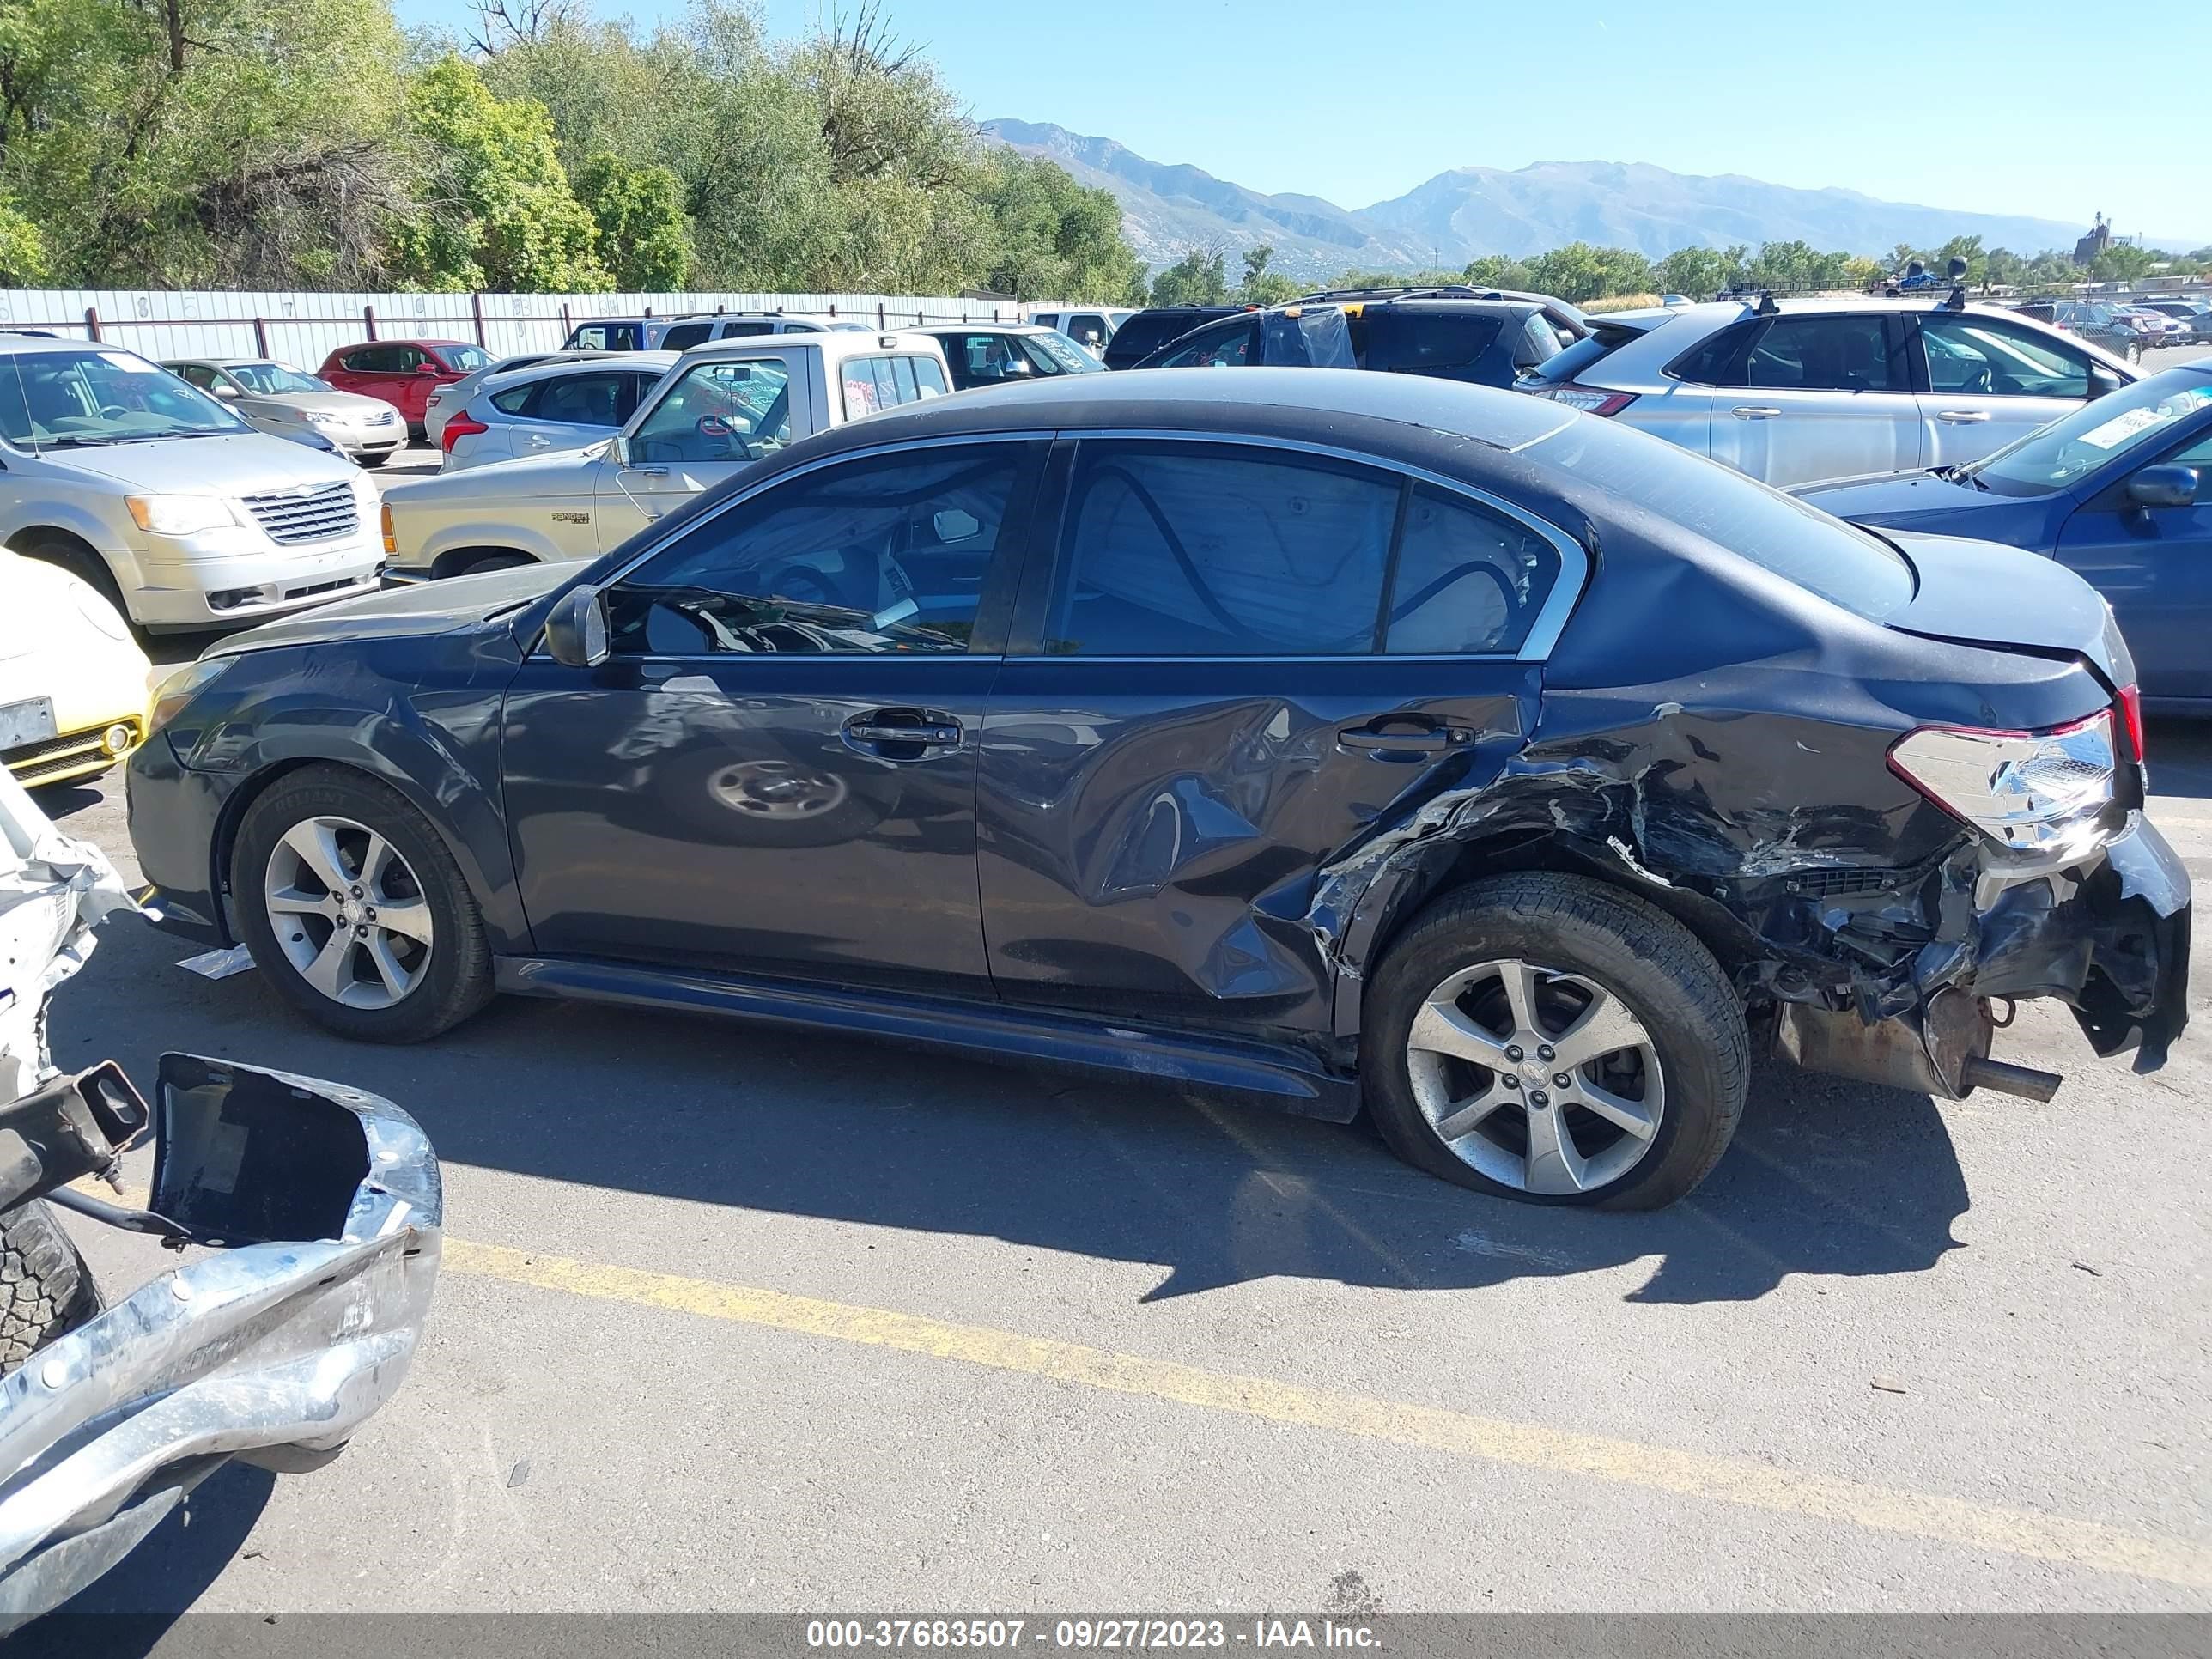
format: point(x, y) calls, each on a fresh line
point(733, 1320)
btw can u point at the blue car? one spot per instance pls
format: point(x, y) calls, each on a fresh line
point(2119, 491)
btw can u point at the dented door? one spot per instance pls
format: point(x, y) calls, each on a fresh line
point(1240, 664)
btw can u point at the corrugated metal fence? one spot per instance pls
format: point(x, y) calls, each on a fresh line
point(303, 329)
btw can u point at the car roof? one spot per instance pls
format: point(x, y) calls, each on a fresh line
point(1317, 403)
point(832, 343)
point(226, 362)
point(659, 361)
point(975, 327)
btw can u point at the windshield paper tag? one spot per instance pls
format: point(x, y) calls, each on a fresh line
point(2121, 428)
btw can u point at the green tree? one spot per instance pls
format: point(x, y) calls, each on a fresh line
point(23, 250)
point(202, 143)
point(1581, 271)
point(1054, 238)
point(1701, 272)
point(644, 237)
point(497, 209)
point(1497, 270)
point(1263, 287)
point(1199, 278)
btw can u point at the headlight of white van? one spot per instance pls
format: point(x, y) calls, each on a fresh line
point(179, 516)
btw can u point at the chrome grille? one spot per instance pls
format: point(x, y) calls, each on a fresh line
point(316, 516)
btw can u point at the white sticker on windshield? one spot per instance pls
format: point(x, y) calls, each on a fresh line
point(2122, 427)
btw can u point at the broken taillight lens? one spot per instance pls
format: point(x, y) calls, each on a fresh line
point(2130, 705)
point(1591, 400)
point(2030, 792)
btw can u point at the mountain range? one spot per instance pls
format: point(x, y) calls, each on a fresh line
point(1168, 209)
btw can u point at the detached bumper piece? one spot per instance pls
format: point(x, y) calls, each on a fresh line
point(324, 1207)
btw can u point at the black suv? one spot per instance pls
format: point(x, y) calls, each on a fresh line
point(1482, 342)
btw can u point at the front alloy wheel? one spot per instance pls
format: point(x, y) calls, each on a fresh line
point(1540, 1079)
point(347, 912)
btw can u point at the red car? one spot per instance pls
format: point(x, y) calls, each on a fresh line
point(402, 373)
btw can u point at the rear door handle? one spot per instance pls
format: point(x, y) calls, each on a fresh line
point(1754, 411)
point(1426, 738)
point(1962, 417)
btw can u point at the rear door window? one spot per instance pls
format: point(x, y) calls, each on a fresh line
point(1200, 550)
point(1469, 579)
point(745, 330)
point(581, 399)
point(682, 337)
point(1846, 352)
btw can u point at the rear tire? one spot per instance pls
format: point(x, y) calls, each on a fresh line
point(400, 980)
point(45, 1289)
point(1673, 1061)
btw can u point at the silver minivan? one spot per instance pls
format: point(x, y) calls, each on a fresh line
point(177, 511)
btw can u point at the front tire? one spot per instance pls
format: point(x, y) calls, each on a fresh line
point(45, 1289)
point(1551, 1039)
point(354, 909)
point(375, 461)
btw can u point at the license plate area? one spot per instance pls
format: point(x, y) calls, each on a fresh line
point(31, 720)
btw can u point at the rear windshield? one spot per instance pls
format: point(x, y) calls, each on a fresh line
point(1149, 330)
point(1778, 532)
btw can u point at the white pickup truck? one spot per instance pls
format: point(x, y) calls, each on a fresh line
point(723, 406)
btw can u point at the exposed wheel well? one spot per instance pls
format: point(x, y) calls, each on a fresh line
point(54, 536)
point(455, 560)
point(1714, 928)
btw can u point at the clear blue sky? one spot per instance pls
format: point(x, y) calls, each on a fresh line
point(2050, 107)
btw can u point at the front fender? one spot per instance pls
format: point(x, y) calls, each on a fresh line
point(438, 746)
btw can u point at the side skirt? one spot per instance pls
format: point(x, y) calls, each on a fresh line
point(1277, 1076)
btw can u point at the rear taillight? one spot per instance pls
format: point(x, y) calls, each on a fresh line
point(1591, 400)
point(460, 425)
point(2029, 792)
point(2131, 706)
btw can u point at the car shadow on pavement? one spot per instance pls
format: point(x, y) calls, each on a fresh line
point(1825, 1177)
point(126, 1614)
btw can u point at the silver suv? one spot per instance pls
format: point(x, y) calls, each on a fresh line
point(1800, 390)
point(177, 511)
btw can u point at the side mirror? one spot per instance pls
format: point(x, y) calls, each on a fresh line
point(576, 631)
point(618, 449)
point(2164, 486)
point(427, 368)
point(2102, 381)
point(224, 389)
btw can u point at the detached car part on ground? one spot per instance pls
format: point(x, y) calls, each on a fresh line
point(323, 1207)
point(1317, 735)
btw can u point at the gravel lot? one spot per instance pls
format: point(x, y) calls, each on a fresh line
point(745, 1320)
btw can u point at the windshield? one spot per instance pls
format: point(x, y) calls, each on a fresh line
point(466, 358)
point(1069, 357)
point(70, 398)
point(2119, 423)
point(270, 379)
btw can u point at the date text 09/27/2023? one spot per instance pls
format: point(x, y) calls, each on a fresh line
point(1085, 1635)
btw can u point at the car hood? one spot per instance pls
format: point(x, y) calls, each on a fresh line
point(232, 464)
point(405, 612)
point(1921, 500)
point(325, 402)
point(1976, 593)
point(532, 475)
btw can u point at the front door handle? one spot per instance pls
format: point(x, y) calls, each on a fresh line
point(901, 733)
point(1415, 735)
point(1962, 417)
point(1754, 411)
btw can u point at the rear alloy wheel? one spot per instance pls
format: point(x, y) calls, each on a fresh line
point(1554, 1039)
point(1540, 1079)
point(355, 910)
point(2135, 352)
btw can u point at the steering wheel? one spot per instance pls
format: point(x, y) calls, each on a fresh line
point(714, 427)
point(113, 412)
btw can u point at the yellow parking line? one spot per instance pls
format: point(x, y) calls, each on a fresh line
point(2085, 1544)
